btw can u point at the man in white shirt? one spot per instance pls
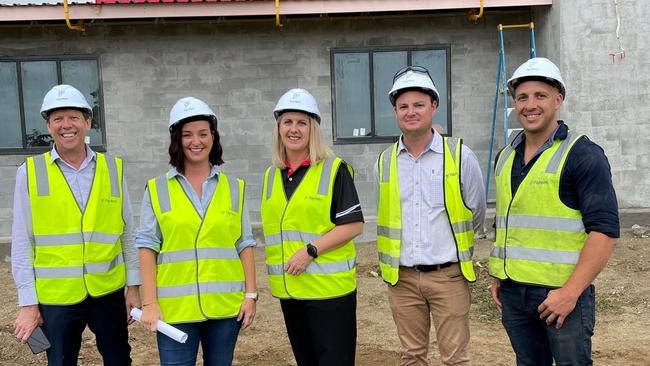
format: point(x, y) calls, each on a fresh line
point(431, 201)
point(72, 246)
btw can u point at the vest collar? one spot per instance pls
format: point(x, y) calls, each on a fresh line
point(560, 133)
point(435, 144)
point(90, 156)
point(173, 173)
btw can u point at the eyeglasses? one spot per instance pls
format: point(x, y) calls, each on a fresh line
point(414, 68)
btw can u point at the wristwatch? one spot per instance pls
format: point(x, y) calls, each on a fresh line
point(251, 295)
point(312, 250)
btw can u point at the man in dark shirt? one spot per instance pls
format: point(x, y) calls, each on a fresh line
point(557, 224)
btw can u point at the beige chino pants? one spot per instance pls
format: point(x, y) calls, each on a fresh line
point(441, 295)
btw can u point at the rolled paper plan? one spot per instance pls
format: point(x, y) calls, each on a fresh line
point(164, 328)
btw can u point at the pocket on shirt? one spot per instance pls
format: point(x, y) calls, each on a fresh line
point(434, 193)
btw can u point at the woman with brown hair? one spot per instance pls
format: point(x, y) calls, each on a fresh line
point(196, 245)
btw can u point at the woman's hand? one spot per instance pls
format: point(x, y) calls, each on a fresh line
point(298, 262)
point(150, 316)
point(246, 313)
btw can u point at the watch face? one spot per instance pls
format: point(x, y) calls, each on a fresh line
point(312, 251)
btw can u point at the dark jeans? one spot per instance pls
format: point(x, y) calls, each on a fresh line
point(322, 332)
point(217, 337)
point(105, 316)
point(535, 342)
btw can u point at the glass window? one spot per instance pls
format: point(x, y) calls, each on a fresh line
point(23, 84)
point(11, 136)
point(353, 96)
point(362, 79)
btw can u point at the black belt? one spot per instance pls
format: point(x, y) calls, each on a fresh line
point(429, 267)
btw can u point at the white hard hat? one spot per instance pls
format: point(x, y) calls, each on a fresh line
point(297, 100)
point(412, 78)
point(64, 96)
point(538, 68)
point(190, 107)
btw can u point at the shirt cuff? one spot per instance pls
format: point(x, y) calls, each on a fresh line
point(27, 296)
point(241, 245)
point(133, 277)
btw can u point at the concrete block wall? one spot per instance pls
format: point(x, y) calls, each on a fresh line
point(607, 100)
point(242, 67)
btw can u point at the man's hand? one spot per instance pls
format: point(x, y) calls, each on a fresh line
point(558, 305)
point(298, 262)
point(494, 291)
point(28, 319)
point(132, 298)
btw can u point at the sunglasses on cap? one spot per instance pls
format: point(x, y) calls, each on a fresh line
point(414, 68)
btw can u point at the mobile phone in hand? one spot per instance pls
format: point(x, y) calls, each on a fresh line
point(38, 342)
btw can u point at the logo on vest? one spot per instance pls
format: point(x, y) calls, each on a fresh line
point(109, 200)
point(313, 198)
point(228, 213)
point(539, 182)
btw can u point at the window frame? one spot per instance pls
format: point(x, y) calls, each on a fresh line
point(58, 59)
point(370, 51)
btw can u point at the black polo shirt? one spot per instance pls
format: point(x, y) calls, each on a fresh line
point(345, 201)
point(585, 181)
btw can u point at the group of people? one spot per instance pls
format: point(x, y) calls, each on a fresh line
point(78, 261)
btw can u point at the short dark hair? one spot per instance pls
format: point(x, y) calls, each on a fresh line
point(176, 155)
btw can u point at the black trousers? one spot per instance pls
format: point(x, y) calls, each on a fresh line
point(105, 316)
point(322, 332)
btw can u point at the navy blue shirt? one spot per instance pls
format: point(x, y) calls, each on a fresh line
point(585, 181)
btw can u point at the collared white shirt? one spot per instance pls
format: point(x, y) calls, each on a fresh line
point(22, 235)
point(426, 234)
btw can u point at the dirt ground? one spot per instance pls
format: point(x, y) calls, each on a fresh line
point(621, 335)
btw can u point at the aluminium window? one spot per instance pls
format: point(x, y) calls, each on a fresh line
point(361, 80)
point(23, 84)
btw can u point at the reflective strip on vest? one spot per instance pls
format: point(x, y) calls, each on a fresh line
point(269, 185)
point(76, 238)
point(537, 255)
point(290, 235)
point(387, 259)
point(199, 253)
point(112, 174)
point(462, 226)
point(163, 194)
point(43, 183)
point(202, 288)
point(503, 158)
point(540, 222)
point(390, 233)
point(317, 268)
point(554, 163)
point(77, 271)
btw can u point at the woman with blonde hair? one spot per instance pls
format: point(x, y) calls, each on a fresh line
point(195, 240)
point(310, 214)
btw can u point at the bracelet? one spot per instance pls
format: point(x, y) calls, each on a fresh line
point(149, 303)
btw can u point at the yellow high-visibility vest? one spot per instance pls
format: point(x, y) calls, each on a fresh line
point(538, 238)
point(389, 215)
point(199, 274)
point(290, 225)
point(76, 252)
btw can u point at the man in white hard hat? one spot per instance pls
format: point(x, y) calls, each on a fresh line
point(431, 202)
point(557, 224)
point(72, 249)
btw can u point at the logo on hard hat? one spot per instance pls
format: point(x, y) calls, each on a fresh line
point(61, 92)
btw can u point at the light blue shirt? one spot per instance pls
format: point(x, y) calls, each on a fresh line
point(150, 236)
point(22, 235)
point(426, 235)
